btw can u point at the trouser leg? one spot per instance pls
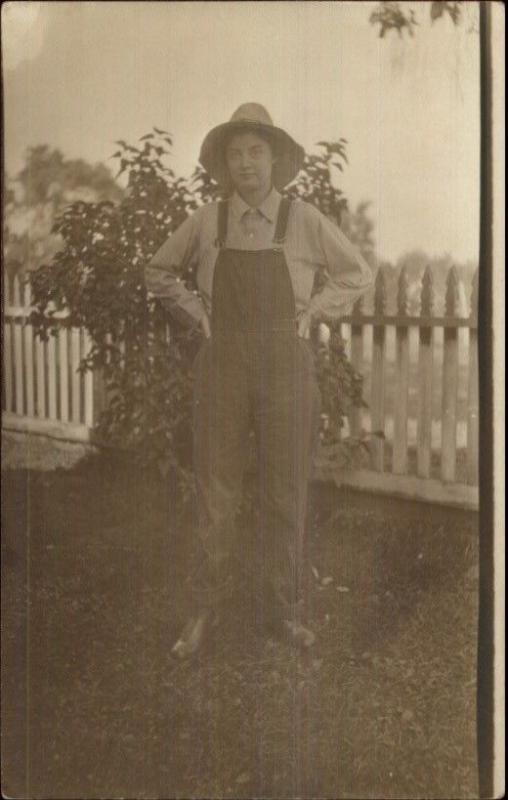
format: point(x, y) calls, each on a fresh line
point(221, 441)
point(287, 420)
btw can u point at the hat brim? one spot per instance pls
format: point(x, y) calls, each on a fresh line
point(289, 154)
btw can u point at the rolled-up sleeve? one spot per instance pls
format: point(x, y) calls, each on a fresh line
point(348, 276)
point(163, 273)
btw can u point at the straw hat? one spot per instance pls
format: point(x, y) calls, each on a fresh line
point(253, 118)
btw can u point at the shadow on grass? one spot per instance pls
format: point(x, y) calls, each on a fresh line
point(95, 562)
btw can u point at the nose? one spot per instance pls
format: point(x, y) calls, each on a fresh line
point(245, 161)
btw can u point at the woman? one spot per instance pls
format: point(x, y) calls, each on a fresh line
point(256, 255)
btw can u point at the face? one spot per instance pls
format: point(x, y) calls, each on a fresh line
point(249, 159)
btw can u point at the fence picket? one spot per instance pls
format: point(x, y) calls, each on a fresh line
point(52, 377)
point(63, 373)
point(16, 291)
point(378, 375)
point(89, 386)
point(75, 375)
point(7, 372)
point(355, 416)
point(425, 380)
point(17, 336)
point(29, 355)
point(450, 382)
point(6, 288)
point(18, 367)
point(472, 399)
point(27, 295)
point(40, 369)
point(401, 381)
point(8, 369)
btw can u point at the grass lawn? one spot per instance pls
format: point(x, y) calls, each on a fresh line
point(94, 706)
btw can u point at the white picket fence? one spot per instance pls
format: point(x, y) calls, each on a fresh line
point(435, 360)
point(42, 388)
point(429, 361)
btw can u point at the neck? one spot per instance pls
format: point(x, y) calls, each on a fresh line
point(255, 197)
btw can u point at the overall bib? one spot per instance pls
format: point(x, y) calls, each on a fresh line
point(255, 373)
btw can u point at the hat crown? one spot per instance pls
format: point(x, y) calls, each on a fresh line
point(253, 113)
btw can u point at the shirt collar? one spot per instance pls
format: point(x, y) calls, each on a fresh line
point(268, 208)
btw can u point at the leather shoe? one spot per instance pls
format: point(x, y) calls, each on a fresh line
point(194, 635)
point(297, 634)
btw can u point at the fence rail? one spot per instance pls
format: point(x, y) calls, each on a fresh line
point(421, 388)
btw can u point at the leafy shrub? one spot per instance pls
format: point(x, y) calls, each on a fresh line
point(143, 354)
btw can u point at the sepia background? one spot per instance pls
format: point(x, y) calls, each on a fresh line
point(96, 550)
point(77, 77)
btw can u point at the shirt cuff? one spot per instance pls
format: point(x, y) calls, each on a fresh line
point(190, 316)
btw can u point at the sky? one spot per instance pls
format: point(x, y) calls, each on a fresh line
point(79, 75)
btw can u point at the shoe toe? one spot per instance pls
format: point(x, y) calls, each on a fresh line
point(299, 634)
point(192, 637)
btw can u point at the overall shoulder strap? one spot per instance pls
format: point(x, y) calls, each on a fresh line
point(282, 221)
point(222, 223)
